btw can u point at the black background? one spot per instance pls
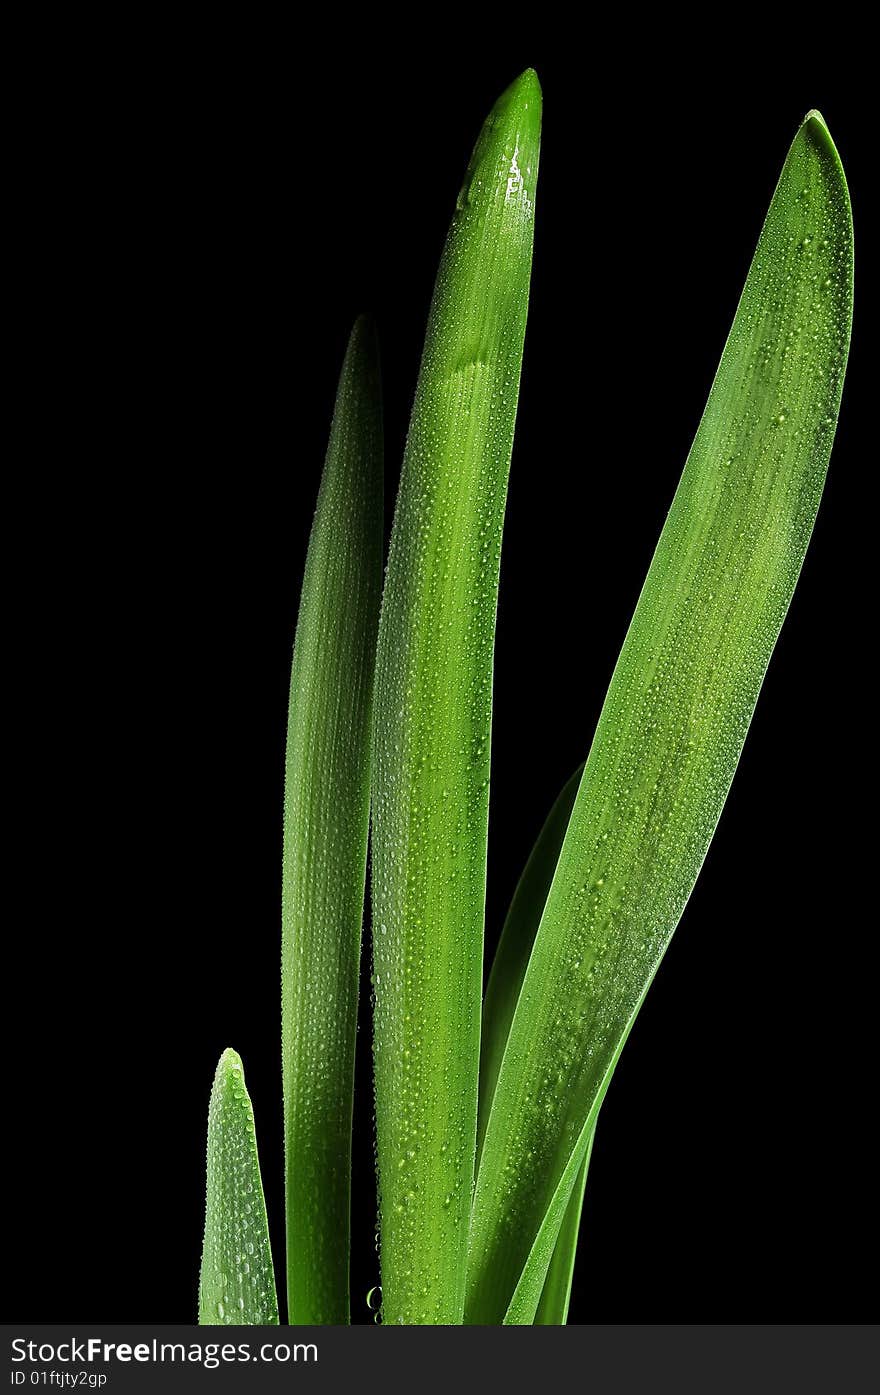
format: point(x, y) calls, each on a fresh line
point(202, 220)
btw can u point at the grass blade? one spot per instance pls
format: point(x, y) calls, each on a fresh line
point(676, 715)
point(326, 817)
point(237, 1281)
point(434, 686)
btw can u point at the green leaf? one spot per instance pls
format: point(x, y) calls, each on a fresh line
point(675, 718)
point(515, 946)
point(237, 1281)
point(434, 697)
point(552, 1310)
point(326, 820)
point(529, 1291)
point(550, 1305)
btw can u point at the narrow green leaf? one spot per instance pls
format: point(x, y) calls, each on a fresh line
point(237, 1281)
point(515, 946)
point(528, 1293)
point(434, 694)
point(676, 715)
point(502, 992)
point(326, 819)
point(555, 1297)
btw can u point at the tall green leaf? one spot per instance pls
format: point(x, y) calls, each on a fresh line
point(237, 1280)
point(326, 817)
point(674, 721)
point(434, 695)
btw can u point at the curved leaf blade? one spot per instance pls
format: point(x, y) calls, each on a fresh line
point(237, 1280)
point(555, 1297)
point(676, 715)
point(515, 945)
point(547, 1300)
point(434, 692)
point(326, 820)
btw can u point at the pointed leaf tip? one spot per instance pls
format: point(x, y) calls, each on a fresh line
point(229, 1060)
point(518, 111)
point(233, 1291)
